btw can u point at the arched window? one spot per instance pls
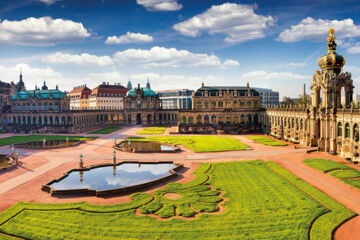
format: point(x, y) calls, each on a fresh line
point(220, 104)
point(198, 119)
point(356, 132)
point(45, 107)
point(347, 130)
point(33, 107)
point(39, 106)
point(183, 119)
point(301, 124)
point(50, 106)
point(206, 119)
point(213, 119)
point(191, 120)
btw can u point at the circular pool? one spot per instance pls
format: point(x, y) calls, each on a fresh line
point(48, 144)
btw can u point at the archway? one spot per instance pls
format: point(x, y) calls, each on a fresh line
point(138, 119)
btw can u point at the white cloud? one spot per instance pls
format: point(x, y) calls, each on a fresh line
point(129, 38)
point(354, 48)
point(49, 2)
point(292, 65)
point(33, 76)
point(287, 83)
point(172, 81)
point(229, 63)
point(42, 31)
point(160, 5)
point(84, 59)
point(239, 22)
point(317, 30)
point(266, 76)
point(167, 57)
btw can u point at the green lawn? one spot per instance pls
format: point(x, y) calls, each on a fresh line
point(200, 143)
point(263, 201)
point(152, 130)
point(345, 173)
point(267, 141)
point(105, 130)
point(20, 139)
point(2, 131)
point(325, 165)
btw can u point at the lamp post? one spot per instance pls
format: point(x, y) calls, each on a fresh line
point(114, 156)
point(67, 141)
point(114, 142)
point(17, 158)
point(81, 161)
point(12, 150)
point(44, 143)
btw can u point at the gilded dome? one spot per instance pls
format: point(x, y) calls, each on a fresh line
point(331, 61)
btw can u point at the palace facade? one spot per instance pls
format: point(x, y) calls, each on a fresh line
point(328, 124)
point(229, 109)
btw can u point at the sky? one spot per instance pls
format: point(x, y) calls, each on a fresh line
point(175, 43)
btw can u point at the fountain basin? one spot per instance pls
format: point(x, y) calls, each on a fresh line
point(6, 162)
point(146, 147)
point(49, 144)
point(112, 179)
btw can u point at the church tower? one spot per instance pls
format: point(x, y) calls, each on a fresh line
point(20, 84)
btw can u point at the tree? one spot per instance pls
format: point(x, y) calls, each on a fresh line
point(304, 100)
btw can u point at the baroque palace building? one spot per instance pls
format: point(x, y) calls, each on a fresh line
point(328, 124)
point(229, 109)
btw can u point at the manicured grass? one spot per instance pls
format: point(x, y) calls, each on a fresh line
point(200, 143)
point(105, 130)
point(2, 131)
point(263, 201)
point(266, 141)
point(152, 130)
point(20, 139)
point(325, 165)
point(345, 174)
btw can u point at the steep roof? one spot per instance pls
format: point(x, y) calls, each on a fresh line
point(146, 91)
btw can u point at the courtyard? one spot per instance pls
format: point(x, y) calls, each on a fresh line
point(259, 189)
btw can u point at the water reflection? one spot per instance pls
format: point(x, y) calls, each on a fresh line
point(109, 177)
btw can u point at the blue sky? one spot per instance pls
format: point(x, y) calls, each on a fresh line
point(174, 43)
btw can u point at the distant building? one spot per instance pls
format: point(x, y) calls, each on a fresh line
point(268, 96)
point(107, 97)
point(176, 99)
point(289, 100)
point(79, 98)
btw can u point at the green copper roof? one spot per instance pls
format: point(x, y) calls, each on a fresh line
point(147, 91)
point(42, 94)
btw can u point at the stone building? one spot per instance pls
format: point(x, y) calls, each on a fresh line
point(230, 109)
point(143, 106)
point(107, 97)
point(79, 98)
point(327, 124)
point(34, 109)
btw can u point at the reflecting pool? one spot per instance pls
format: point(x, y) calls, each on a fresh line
point(116, 176)
point(145, 146)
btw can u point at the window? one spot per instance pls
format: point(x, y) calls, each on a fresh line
point(220, 104)
point(356, 132)
point(347, 130)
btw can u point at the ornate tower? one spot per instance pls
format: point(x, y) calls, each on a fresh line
point(326, 91)
point(148, 84)
point(21, 84)
point(129, 85)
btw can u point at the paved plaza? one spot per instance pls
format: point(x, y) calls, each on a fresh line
point(41, 166)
